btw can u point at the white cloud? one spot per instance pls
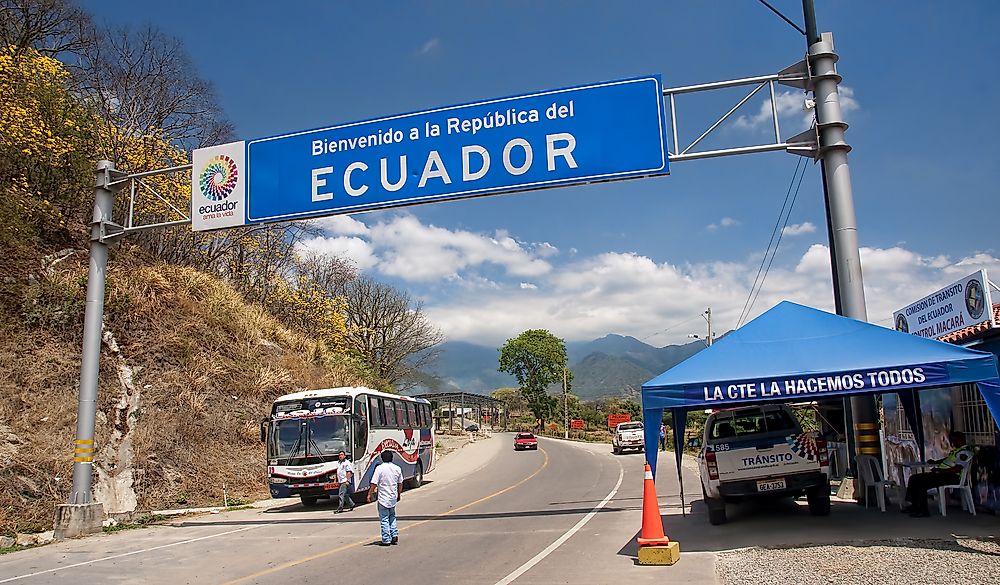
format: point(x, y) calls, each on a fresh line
point(403, 247)
point(583, 297)
point(355, 249)
point(792, 111)
point(431, 46)
point(635, 295)
point(725, 222)
point(342, 225)
point(418, 252)
point(797, 229)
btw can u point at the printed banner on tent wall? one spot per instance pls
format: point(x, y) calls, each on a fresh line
point(961, 304)
point(817, 387)
point(600, 132)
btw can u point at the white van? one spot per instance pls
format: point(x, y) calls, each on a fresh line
point(761, 451)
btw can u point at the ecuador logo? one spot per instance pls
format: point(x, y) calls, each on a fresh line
point(218, 179)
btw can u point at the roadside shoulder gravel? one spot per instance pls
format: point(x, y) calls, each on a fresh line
point(963, 561)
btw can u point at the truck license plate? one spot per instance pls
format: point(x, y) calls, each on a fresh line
point(770, 485)
point(330, 486)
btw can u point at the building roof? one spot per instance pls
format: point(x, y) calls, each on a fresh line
point(966, 334)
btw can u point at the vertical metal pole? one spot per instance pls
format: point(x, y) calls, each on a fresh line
point(709, 313)
point(83, 451)
point(565, 405)
point(833, 149)
point(461, 413)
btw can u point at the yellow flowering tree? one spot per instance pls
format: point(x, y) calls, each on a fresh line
point(45, 150)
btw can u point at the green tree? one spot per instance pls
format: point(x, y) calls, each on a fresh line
point(537, 359)
point(512, 398)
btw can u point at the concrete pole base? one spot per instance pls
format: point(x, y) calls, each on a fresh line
point(73, 520)
point(660, 555)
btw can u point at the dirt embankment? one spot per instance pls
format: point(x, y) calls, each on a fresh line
point(187, 371)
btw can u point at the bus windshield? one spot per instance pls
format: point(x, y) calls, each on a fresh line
point(321, 436)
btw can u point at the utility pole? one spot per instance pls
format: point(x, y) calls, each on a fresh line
point(709, 319)
point(565, 405)
point(849, 291)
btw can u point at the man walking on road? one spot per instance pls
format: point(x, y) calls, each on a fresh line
point(345, 474)
point(388, 481)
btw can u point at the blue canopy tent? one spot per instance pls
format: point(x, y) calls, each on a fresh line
point(795, 353)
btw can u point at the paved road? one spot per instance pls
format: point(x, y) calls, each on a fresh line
point(567, 513)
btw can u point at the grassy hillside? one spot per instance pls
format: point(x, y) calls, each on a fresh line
point(188, 369)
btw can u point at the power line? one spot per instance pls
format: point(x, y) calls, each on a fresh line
point(782, 16)
point(674, 326)
point(781, 233)
point(774, 232)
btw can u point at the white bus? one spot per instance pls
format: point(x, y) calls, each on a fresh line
point(306, 431)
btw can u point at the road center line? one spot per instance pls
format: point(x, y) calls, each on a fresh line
point(327, 553)
point(128, 554)
point(559, 541)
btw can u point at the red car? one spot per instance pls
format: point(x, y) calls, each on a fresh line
point(525, 441)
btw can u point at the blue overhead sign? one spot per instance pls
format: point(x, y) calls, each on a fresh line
point(600, 132)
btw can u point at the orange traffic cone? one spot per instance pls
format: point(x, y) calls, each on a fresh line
point(652, 525)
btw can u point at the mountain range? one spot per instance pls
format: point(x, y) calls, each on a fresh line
point(612, 366)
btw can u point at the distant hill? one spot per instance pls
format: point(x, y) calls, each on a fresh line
point(467, 367)
point(613, 365)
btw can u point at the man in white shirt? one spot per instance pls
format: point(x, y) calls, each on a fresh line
point(388, 482)
point(345, 473)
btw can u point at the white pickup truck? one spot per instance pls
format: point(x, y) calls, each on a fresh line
point(761, 451)
point(627, 435)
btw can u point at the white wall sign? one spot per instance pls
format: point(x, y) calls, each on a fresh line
point(959, 305)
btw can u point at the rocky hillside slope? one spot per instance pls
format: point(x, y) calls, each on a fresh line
point(188, 369)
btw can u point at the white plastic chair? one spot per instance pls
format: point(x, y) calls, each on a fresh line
point(871, 475)
point(964, 486)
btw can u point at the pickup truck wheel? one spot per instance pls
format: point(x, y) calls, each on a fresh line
point(716, 508)
point(819, 500)
point(615, 449)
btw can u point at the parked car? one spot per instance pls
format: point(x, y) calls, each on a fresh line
point(627, 435)
point(761, 451)
point(473, 428)
point(525, 441)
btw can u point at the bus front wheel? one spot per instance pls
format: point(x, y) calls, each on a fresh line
point(309, 500)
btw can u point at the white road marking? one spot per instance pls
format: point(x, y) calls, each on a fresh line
point(559, 541)
point(128, 554)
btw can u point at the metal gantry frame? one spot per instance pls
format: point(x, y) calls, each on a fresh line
point(825, 139)
point(467, 399)
point(805, 144)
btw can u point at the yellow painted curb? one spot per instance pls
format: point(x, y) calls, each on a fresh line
point(660, 555)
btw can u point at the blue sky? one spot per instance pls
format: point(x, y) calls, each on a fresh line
point(633, 257)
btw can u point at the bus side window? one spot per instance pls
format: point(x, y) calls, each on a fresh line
point(400, 414)
point(377, 419)
point(411, 414)
point(390, 412)
point(425, 419)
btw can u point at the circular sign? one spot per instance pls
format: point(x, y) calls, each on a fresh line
point(901, 324)
point(975, 298)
